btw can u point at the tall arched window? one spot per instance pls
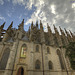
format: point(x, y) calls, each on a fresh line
point(4, 59)
point(23, 50)
point(60, 59)
point(37, 64)
point(20, 71)
point(48, 50)
point(37, 48)
point(50, 65)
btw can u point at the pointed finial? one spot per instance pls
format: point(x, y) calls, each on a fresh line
point(2, 25)
point(23, 21)
point(60, 28)
point(32, 24)
point(48, 25)
point(40, 22)
point(12, 23)
point(29, 27)
point(71, 32)
point(36, 23)
point(10, 26)
point(54, 27)
point(65, 30)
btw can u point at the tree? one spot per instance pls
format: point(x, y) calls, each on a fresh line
point(70, 52)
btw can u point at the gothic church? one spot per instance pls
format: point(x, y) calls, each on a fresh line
point(34, 52)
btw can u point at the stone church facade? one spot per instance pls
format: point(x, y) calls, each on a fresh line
point(34, 52)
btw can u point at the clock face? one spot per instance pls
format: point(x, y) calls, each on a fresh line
point(23, 52)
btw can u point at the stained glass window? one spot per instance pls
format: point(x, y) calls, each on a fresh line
point(23, 50)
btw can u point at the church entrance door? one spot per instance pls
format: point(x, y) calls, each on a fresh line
point(20, 71)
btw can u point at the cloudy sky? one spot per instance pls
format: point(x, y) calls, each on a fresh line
point(57, 12)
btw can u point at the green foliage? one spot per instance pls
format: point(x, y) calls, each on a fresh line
point(70, 52)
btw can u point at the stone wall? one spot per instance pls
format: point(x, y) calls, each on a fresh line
point(28, 63)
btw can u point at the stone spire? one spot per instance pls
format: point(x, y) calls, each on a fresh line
point(68, 35)
point(8, 32)
point(49, 29)
point(1, 30)
point(1, 27)
point(37, 24)
point(31, 32)
point(57, 36)
point(51, 38)
point(32, 25)
point(41, 26)
point(62, 32)
point(10, 26)
point(72, 35)
point(63, 36)
point(21, 26)
point(42, 33)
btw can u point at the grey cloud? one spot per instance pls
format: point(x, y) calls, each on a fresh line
point(1, 2)
point(64, 13)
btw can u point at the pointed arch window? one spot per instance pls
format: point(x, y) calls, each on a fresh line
point(37, 48)
point(60, 59)
point(50, 65)
point(48, 50)
point(20, 71)
point(23, 50)
point(37, 64)
point(4, 59)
